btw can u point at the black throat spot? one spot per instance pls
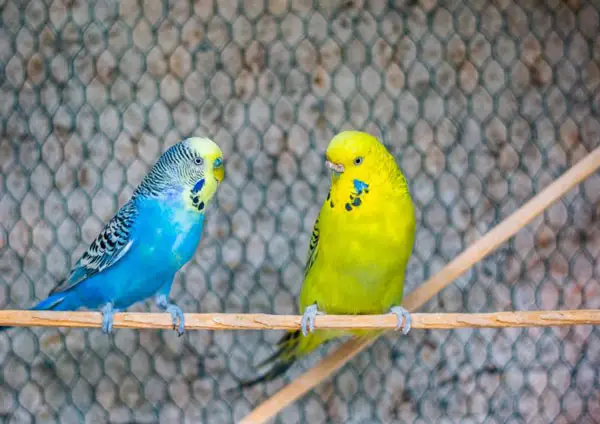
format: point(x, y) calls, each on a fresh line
point(197, 203)
point(356, 199)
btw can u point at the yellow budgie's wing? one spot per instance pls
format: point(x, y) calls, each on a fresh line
point(312, 248)
point(291, 345)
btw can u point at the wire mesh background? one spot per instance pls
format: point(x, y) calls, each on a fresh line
point(483, 103)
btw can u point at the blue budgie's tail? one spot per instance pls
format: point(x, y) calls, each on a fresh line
point(55, 302)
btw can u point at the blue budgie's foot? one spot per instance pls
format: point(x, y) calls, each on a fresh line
point(308, 319)
point(108, 313)
point(403, 315)
point(174, 310)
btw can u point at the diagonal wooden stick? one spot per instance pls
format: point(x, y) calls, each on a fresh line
point(217, 321)
point(429, 289)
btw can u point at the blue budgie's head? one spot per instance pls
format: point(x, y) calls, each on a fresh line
point(192, 168)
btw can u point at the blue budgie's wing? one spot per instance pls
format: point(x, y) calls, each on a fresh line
point(312, 247)
point(112, 244)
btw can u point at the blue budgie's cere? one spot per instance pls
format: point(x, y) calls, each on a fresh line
point(150, 238)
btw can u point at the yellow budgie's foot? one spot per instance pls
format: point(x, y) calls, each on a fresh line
point(308, 319)
point(403, 315)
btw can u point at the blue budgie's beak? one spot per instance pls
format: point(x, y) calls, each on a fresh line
point(218, 169)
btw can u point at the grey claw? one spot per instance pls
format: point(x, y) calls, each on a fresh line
point(308, 319)
point(176, 315)
point(403, 316)
point(107, 318)
point(174, 310)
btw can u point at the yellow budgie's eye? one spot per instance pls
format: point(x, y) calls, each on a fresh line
point(198, 160)
point(358, 160)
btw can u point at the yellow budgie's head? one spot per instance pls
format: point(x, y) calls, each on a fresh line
point(355, 154)
point(359, 162)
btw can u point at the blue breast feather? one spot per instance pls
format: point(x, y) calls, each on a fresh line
point(165, 238)
point(171, 230)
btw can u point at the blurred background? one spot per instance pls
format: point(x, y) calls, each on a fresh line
point(483, 103)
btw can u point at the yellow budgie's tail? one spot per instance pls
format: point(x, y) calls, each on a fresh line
point(291, 347)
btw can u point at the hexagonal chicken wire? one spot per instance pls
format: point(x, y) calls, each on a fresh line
point(483, 104)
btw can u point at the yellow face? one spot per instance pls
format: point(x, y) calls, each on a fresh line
point(208, 168)
point(358, 162)
point(354, 154)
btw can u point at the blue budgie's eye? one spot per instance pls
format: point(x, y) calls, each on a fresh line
point(218, 162)
point(198, 160)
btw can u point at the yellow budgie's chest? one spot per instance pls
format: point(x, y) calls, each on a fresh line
point(366, 238)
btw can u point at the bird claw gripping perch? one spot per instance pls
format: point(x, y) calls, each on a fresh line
point(308, 319)
point(108, 313)
point(403, 315)
point(175, 311)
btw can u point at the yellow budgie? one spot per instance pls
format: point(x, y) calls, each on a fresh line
point(359, 249)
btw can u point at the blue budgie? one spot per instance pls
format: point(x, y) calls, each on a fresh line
point(150, 238)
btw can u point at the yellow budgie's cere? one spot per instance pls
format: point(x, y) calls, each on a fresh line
point(359, 249)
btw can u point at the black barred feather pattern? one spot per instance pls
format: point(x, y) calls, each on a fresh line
point(110, 245)
point(165, 171)
point(312, 247)
point(284, 358)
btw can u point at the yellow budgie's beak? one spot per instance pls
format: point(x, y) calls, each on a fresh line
point(218, 169)
point(336, 168)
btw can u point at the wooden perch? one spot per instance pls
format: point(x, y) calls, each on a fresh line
point(142, 320)
point(477, 251)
